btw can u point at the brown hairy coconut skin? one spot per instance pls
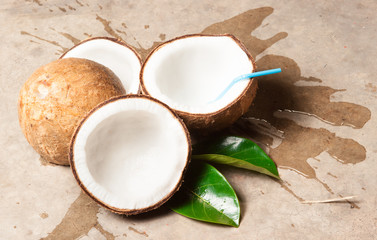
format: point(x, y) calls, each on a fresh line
point(56, 97)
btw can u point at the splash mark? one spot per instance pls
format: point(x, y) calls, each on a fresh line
point(246, 23)
point(34, 41)
point(76, 224)
point(290, 191)
point(105, 233)
point(63, 49)
point(280, 93)
point(35, 1)
point(122, 32)
point(38, 2)
point(301, 143)
point(162, 37)
point(327, 187)
point(371, 88)
point(332, 175)
point(107, 27)
point(62, 9)
point(68, 36)
point(71, 8)
point(139, 232)
point(145, 51)
point(79, 3)
point(146, 26)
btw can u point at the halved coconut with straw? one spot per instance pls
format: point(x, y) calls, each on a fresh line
point(114, 54)
point(130, 153)
point(188, 73)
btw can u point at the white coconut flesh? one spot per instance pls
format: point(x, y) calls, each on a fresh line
point(189, 73)
point(130, 153)
point(118, 57)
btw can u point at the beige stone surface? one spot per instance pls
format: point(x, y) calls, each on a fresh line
point(317, 119)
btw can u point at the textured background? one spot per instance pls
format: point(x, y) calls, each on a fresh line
point(317, 119)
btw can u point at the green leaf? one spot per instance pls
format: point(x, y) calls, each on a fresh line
point(237, 152)
point(207, 196)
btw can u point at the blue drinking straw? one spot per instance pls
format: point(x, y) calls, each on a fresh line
point(246, 77)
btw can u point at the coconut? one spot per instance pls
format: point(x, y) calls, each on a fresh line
point(130, 153)
point(189, 72)
point(56, 97)
point(113, 53)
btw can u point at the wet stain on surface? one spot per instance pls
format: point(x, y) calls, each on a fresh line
point(285, 186)
point(162, 37)
point(70, 37)
point(138, 232)
point(332, 175)
point(371, 88)
point(79, 219)
point(67, 36)
point(38, 2)
point(279, 93)
point(243, 25)
point(108, 28)
point(71, 8)
point(62, 9)
point(55, 43)
point(79, 3)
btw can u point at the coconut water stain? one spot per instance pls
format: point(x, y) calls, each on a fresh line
point(55, 43)
point(80, 218)
point(279, 93)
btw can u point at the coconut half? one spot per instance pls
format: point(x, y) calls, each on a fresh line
point(189, 72)
point(113, 53)
point(130, 153)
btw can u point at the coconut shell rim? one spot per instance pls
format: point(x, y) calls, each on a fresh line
point(112, 39)
point(120, 210)
point(229, 105)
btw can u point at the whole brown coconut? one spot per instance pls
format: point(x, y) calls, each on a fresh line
point(56, 97)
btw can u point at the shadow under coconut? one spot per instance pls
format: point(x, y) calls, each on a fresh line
point(160, 212)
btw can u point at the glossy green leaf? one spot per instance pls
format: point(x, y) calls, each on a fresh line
point(237, 152)
point(207, 196)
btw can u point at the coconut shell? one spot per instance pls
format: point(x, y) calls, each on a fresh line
point(210, 122)
point(91, 195)
point(55, 99)
point(223, 118)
